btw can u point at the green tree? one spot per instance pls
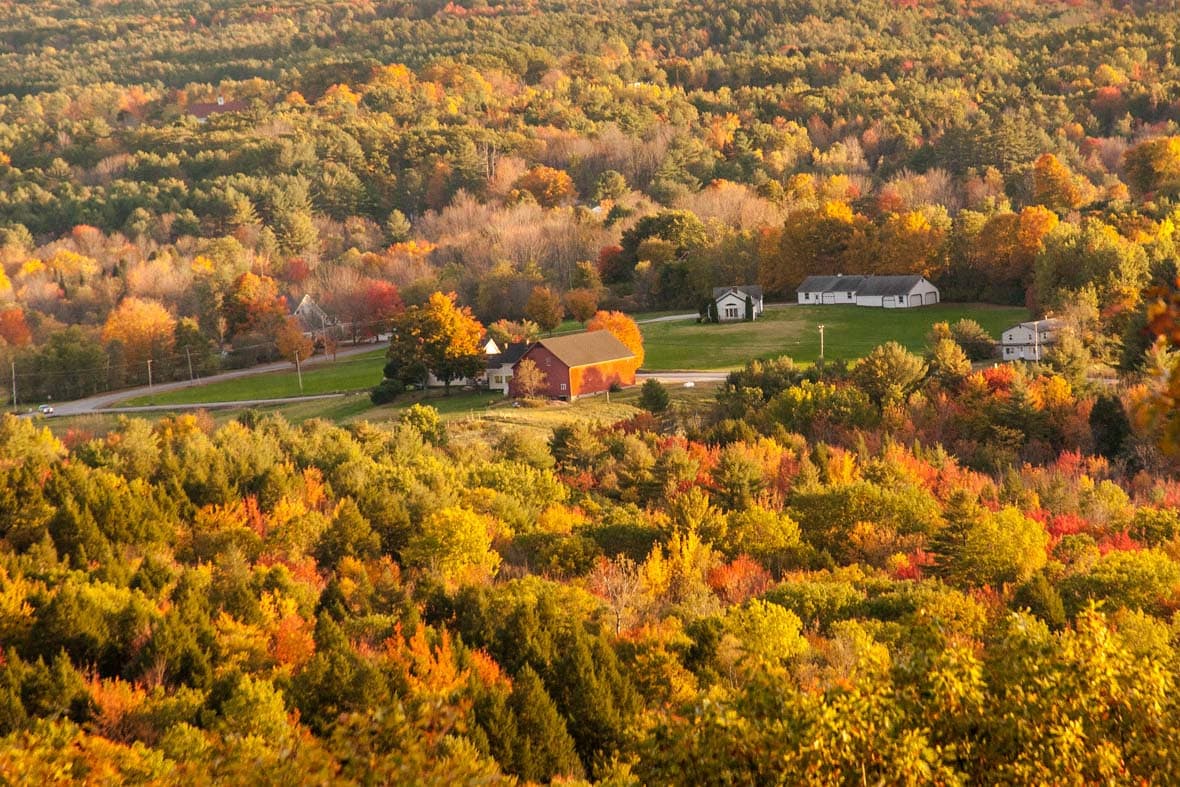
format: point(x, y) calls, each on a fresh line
point(653, 396)
point(543, 748)
point(947, 361)
point(889, 373)
point(544, 308)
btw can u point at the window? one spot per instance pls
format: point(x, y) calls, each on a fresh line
point(563, 386)
point(731, 312)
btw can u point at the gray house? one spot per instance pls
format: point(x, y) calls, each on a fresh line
point(311, 317)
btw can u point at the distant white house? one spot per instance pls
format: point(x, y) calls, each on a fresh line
point(1029, 341)
point(731, 302)
point(887, 292)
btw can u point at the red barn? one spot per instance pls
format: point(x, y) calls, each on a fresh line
point(580, 364)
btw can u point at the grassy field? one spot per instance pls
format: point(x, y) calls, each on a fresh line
point(348, 374)
point(850, 332)
point(463, 409)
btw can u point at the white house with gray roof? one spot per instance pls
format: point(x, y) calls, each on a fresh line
point(887, 292)
point(1029, 341)
point(732, 302)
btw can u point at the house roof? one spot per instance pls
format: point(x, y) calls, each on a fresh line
point(586, 348)
point(310, 315)
point(204, 109)
point(753, 290)
point(1049, 324)
point(887, 285)
point(511, 353)
point(861, 285)
point(831, 283)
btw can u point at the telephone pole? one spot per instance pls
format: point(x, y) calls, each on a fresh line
point(188, 355)
point(821, 342)
point(14, 385)
point(149, 363)
point(299, 371)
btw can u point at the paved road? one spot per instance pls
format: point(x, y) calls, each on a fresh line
point(679, 378)
point(106, 401)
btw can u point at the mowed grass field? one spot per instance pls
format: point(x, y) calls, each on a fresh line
point(466, 410)
point(347, 374)
point(850, 332)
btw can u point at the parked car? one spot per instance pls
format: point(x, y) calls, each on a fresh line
point(45, 409)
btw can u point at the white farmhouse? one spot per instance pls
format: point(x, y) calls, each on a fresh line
point(888, 292)
point(1029, 341)
point(731, 302)
point(499, 375)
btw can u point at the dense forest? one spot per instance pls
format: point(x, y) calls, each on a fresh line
point(799, 583)
point(905, 568)
point(635, 155)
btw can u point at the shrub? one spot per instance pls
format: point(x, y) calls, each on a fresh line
point(654, 396)
point(386, 391)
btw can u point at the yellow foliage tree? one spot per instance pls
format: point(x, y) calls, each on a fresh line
point(144, 328)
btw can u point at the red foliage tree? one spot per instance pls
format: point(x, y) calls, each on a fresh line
point(13, 328)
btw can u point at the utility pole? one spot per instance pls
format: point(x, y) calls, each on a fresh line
point(149, 374)
point(299, 371)
point(188, 355)
point(821, 342)
point(1037, 339)
point(14, 385)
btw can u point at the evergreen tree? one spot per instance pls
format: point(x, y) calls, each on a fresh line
point(543, 747)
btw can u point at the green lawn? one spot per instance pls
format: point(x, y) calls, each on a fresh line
point(474, 409)
point(850, 332)
point(348, 374)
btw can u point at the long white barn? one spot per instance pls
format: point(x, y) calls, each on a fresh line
point(887, 292)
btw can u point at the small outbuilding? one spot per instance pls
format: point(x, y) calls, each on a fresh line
point(743, 302)
point(579, 364)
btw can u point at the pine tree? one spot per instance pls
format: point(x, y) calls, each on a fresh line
point(962, 513)
point(544, 748)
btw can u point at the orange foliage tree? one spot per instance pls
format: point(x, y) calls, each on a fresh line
point(623, 328)
point(292, 342)
point(254, 304)
point(13, 328)
point(1055, 186)
point(550, 187)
